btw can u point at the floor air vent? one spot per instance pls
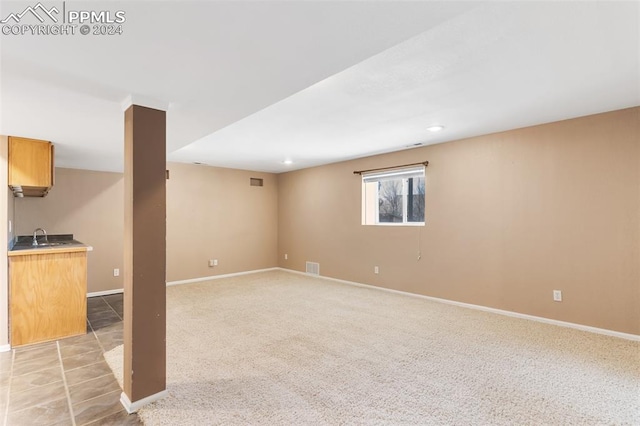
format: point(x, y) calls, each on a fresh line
point(313, 268)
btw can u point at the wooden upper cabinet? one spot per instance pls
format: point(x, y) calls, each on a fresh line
point(30, 167)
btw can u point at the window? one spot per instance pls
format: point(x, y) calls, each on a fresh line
point(393, 198)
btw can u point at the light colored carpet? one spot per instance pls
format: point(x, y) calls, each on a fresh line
point(277, 348)
point(115, 359)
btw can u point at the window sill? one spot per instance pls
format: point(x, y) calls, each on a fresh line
point(395, 224)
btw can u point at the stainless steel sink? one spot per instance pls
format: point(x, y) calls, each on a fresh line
point(54, 244)
point(25, 242)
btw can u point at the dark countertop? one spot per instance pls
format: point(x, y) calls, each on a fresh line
point(60, 242)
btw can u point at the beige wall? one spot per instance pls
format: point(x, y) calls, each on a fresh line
point(213, 213)
point(510, 217)
point(89, 205)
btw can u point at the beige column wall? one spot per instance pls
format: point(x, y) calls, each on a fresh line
point(509, 218)
point(145, 224)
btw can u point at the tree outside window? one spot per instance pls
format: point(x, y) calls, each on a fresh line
point(394, 196)
point(397, 197)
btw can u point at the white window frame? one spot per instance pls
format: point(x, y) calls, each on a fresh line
point(371, 210)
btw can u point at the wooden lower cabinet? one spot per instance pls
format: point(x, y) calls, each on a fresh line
point(48, 297)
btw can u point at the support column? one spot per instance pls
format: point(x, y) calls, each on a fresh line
point(144, 257)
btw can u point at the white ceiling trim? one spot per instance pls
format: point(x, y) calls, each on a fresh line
point(144, 101)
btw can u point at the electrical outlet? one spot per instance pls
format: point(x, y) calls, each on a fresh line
point(211, 263)
point(215, 262)
point(376, 270)
point(557, 295)
point(286, 256)
point(116, 272)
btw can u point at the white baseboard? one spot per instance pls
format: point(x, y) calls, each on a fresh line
point(217, 277)
point(132, 407)
point(189, 281)
point(5, 348)
point(105, 293)
point(581, 327)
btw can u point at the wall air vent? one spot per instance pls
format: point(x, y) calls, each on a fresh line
point(256, 182)
point(313, 268)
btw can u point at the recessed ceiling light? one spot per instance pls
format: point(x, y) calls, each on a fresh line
point(287, 162)
point(435, 128)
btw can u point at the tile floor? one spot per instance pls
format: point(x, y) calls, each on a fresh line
point(67, 382)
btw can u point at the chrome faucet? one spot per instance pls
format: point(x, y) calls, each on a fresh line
point(35, 239)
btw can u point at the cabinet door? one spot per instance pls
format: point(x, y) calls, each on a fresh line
point(48, 298)
point(30, 162)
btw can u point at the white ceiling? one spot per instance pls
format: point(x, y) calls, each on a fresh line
point(249, 84)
